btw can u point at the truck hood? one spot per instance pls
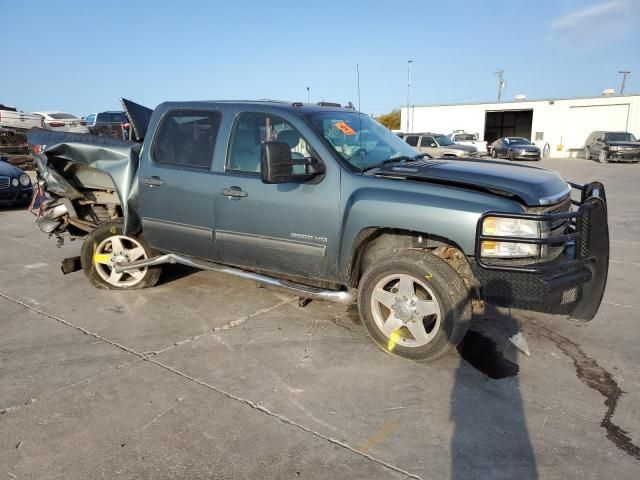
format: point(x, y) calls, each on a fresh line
point(534, 186)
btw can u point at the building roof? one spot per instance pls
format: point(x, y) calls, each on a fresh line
point(524, 101)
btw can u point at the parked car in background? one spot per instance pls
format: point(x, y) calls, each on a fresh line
point(612, 147)
point(438, 145)
point(515, 148)
point(462, 138)
point(13, 123)
point(15, 186)
point(111, 124)
point(63, 122)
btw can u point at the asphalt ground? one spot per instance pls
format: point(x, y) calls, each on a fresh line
point(208, 376)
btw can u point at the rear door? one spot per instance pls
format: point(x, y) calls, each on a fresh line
point(177, 186)
point(286, 228)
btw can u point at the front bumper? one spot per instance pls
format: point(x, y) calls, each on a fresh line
point(623, 156)
point(573, 282)
point(526, 155)
point(16, 195)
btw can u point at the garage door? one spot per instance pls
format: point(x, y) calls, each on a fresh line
point(584, 120)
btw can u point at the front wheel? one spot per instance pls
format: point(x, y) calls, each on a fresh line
point(414, 305)
point(603, 157)
point(494, 154)
point(106, 246)
point(511, 158)
point(587, 153)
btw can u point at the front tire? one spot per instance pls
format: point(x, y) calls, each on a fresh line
point(414, 305)
point(587, 153)
point(511, 157)
point(494, 154)
point(106, 246)
point(602, 158)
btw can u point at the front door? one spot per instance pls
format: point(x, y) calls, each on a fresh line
point(287, 228)
point(177, 187)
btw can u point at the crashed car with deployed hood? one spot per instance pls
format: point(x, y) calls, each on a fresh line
point(326, 203)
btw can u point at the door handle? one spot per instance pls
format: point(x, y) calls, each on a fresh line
point(233, 192)
point(153, 181)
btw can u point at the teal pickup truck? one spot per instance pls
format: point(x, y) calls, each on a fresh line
point(325, 202)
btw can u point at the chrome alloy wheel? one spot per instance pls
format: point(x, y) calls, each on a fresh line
point(405, 310)
point(119, 249)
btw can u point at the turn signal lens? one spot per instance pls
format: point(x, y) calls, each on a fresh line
point(510, 227)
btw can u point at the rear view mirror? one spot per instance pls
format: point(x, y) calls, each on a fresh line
point(277, 165)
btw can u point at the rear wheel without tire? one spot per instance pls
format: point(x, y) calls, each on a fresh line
point(106, 246)
point(414, 305)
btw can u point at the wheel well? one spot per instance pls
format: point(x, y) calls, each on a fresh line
point(374, 244)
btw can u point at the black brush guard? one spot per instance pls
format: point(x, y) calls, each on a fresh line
point(572, 283)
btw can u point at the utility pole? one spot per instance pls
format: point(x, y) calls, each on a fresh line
point(624, 79)
point(308, 96)
point(408, 92)
point(501, 83)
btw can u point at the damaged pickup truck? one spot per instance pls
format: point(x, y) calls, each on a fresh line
point(327, 203)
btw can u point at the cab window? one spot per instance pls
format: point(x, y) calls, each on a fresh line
point(251, 130)
point(186, 138)
point(412, 140)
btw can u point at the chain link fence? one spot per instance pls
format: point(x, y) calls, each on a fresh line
point(14, 149)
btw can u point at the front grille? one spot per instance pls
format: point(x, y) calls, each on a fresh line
point(5, 182)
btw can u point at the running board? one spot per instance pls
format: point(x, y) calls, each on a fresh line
point(339, 296)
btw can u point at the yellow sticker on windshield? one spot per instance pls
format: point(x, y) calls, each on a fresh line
point(344, 128)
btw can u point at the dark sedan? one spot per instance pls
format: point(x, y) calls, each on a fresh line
point(515, 148)
point(15, 186)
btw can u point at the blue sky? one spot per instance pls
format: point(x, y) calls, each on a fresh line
point(80, 56)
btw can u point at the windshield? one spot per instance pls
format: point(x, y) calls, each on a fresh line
point(619, 137)
point(519, 141)
point(443, 140)
point(359, 139)
point(464, 137)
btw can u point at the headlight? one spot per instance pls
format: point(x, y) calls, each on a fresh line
point(509, 227)
point(25, 180)
point(15, 182)
point(614, 148)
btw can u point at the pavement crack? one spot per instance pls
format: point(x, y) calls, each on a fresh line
point(228, 395)
point(288, 421)
point(590, 373)
point(226, 326)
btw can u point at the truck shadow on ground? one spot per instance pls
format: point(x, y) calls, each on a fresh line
point(490, 437)
point(171, 273)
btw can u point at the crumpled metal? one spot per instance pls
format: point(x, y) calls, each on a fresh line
point(118, 158)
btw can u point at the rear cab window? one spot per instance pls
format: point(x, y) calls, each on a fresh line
point(186, 138)
point(412, 140)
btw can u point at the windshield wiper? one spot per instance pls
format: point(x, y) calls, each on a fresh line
point(402, 159)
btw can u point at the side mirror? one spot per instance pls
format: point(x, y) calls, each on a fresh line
point(277, 165)
point(434, 145)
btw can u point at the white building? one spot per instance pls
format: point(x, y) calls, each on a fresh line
point(559, 126)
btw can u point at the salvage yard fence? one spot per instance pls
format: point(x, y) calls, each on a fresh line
point(14, 149)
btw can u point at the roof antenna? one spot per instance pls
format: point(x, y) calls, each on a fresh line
point(359, 120)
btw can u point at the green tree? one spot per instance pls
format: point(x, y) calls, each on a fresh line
point(390, 120)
